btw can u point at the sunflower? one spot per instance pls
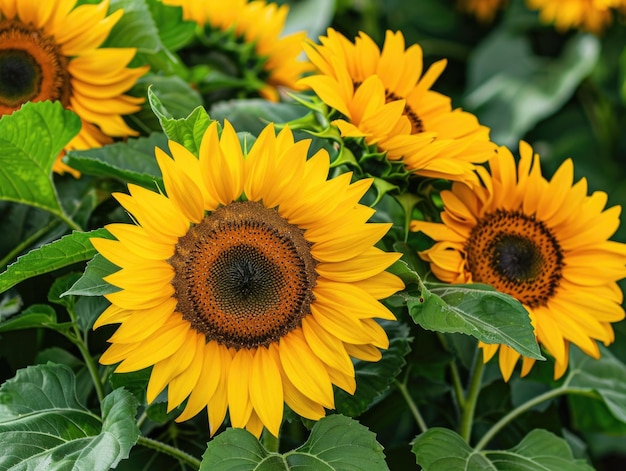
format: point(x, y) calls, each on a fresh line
point(293, 288)
point(541, 242)
point(484, 10)
point(51, 51)
point(588, 15)
point(416, 125)
point(259, 23)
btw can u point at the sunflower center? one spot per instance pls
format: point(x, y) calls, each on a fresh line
point(517, 255)
point(417, 126)
point(244, 276)
point(32, 67)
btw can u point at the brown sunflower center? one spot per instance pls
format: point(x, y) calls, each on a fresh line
point(32, 67)
point(417, 126)
point(244, 276)
point(517, 255)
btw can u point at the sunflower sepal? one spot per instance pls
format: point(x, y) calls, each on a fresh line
point(475, 309)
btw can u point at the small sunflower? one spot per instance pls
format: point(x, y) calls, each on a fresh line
point(51, 51)
point(484, 10)
point(416, 125)
point(541, 242)
point(251, 284)
point(259, 23)
point(588, 15)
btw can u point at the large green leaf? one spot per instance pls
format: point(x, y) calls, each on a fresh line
point(336, 443)
point(511, 89)
point(311, 16)
point(174, 32)
point(606, 376)
point(132, 161)
point(70, 249)
point(476, 310)
point(31, 139)
point(441, 449)
point(43, 426)
point(187, 131)
point(135, 28)
point(254, 114)
point(373, 379)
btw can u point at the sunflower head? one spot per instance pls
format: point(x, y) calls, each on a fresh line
point(539, 241)
point(250, 35)
point(383, 95)
point(251, 284)
point(587, 15)
point(484, 10)
point(51, 51)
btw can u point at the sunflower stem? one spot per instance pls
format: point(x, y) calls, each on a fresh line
point(27, 243)
point(166, 449)
point(81, 344)
point(469, 406)
point(412, 406)
point(500, 424)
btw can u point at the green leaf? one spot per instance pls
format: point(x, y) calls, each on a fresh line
point(70, 249)
point(37, 315)
point(373, 379)
point(476, 310)
point(31, 139)
point(606, 376)
point(132, 161)
point(311, 16)
point(254, 114)
point(511, 89)
point(188, 131)
point(135, 28)
point(91, 283)
point(43, 426)
point(336, 443)
point(177, 99)
point(174, 32)
point(441, 449)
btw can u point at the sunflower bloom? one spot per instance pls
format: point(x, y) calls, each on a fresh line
point(415, 124)
point(259, 23)
point(588, 15)
point(51, 51)
point(541, 242)
point(252, 284)
point(484, 10)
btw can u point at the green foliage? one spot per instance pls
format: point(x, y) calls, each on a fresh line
point(42, 424)
point(31, 140)
point(336, 443)
point(444, 450)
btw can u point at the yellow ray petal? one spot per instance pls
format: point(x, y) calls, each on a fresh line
point(266, 389)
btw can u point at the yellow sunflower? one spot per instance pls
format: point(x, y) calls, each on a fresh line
point(259, 23)
point(588, 15)
point(416, 124)
point(484, 10)
point(251, 284)
point(51, 51)
point(543, 242)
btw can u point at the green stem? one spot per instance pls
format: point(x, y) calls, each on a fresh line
point(67, 220)
point(169, 450)
point(456, 383)
point(500, 424)
point(91, 365)
point(412, 406)
point(27, 243)
point(467, 417)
